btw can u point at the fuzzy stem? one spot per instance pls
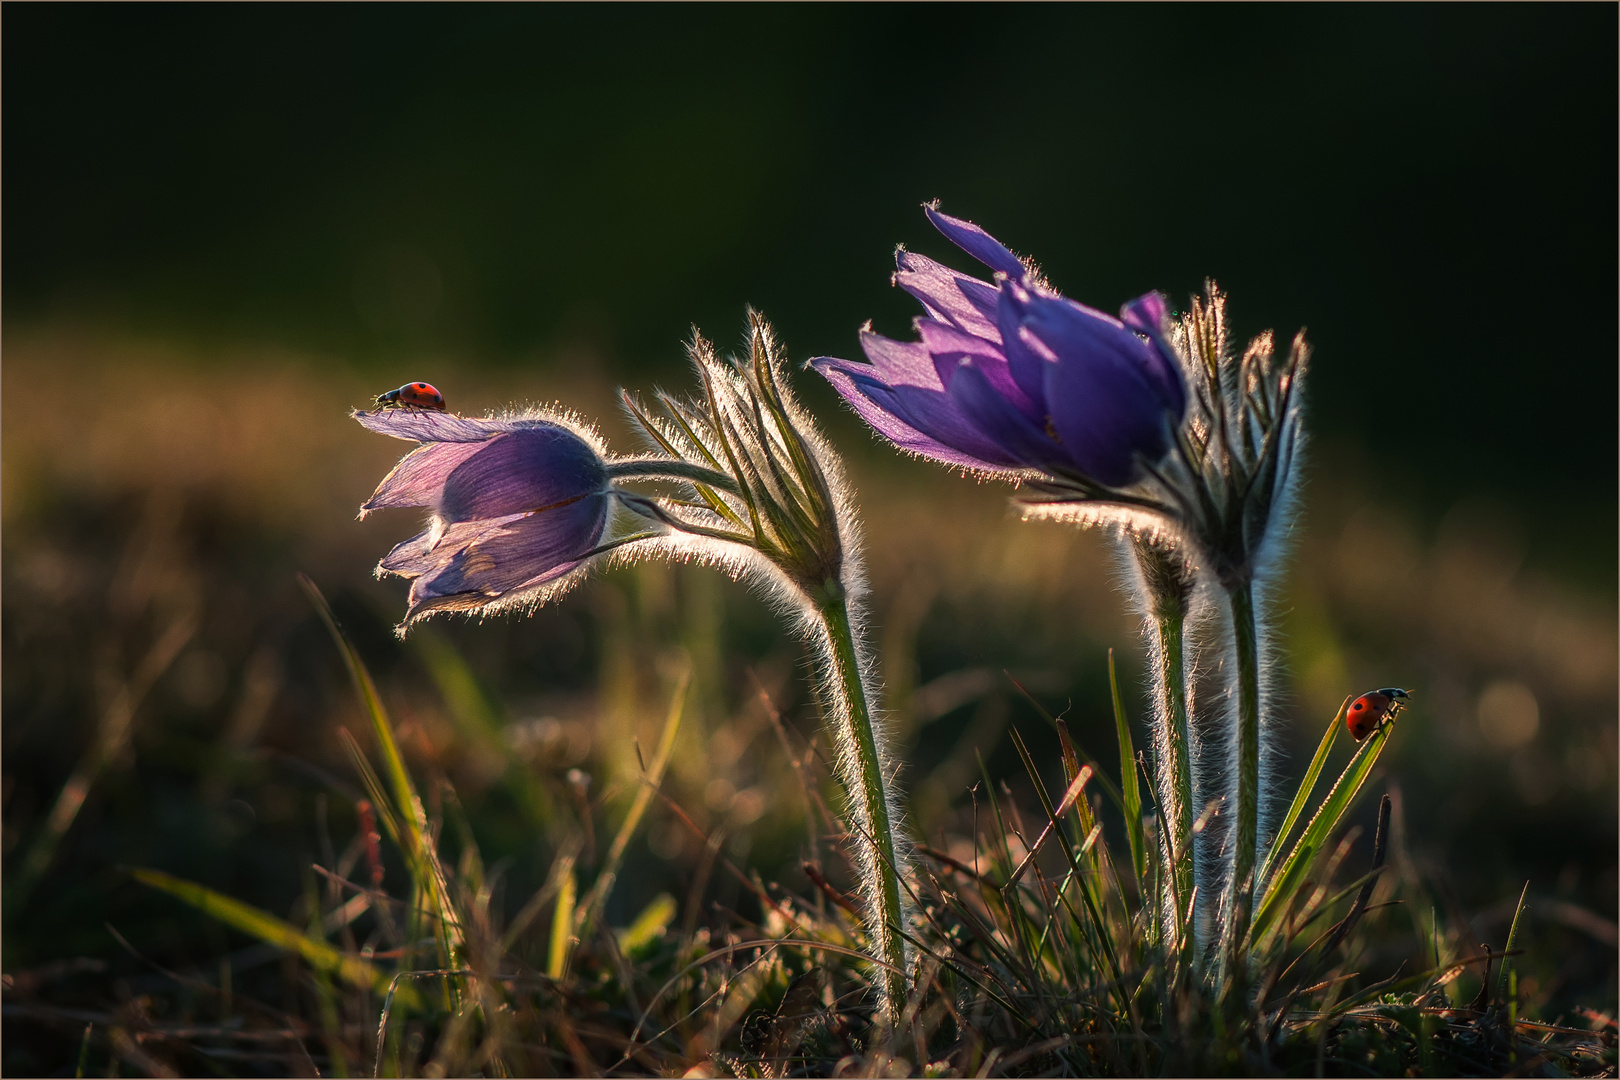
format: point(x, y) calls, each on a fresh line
point(864, 783)
point(660, 468)
point(1167, 581)
point(1172, 687)
point(1245, 828)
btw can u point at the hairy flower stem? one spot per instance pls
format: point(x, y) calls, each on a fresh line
point(1245, 829)
point(864, 780)
point(1172, 688)
point(1167, 582)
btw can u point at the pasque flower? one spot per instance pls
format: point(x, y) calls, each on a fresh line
point(786, 518)
point(1011, 376)
point(519, 505)
point(1152, 424)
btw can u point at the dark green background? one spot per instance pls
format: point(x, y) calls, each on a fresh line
point(1430, 190)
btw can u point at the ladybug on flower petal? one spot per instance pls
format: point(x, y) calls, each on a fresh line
point(1372, 710)
point(416, 395)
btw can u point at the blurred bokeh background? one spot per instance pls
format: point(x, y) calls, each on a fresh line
point(225, 225)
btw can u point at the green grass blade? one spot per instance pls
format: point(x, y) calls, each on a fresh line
point(1099, 926)
point(1321, 826)
point(413, 817)
point(399, 778)
point(586, 917)
point(1070, 796)
point(271, 930)
point(562, 925)
point(1110, 788)
point(326, 998)
point(1017, 925)
point(652, 921)
point(1128, 786)
point(1306, 786)
point(1513, 934)
point(999, 849)
point(380, 802)
point(112, 736)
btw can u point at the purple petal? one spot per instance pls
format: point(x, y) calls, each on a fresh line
point(528, 469)
point(882, 406)
point(1027, 355)
point(1150, 313)
point(519, 552)
point(850, 379)
point(419, 478)
point(473, 563)
point(1105, 406)
point(410, 557)
point(988, 410)
point(1075, 334)
point(1026, 360)
point(965, 302)
point(950, 347)
point(897, 363)
point(976, 242)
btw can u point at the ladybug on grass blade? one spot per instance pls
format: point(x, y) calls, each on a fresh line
point(1372, 710)
point(415, 395)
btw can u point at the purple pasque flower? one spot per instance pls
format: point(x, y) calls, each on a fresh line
point(1010, 376)
point(518, 506)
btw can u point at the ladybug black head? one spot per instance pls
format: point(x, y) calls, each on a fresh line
point(1394, 692)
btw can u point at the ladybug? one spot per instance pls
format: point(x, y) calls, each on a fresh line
point(1371, 710)
point(415, 395)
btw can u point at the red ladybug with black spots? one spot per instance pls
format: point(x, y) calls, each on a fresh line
point(1372, 710)
point(415, 395)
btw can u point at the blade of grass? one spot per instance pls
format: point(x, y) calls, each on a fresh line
point(1513, 934)
point(1076, 786)
point(1110, 788)
point(84, 1053)
point(419, 847)
point(271, 930)
point(1039, 948)
point(649, 924)
point(325, 998)
point(405, 797)
point(585, 918)
point(1099, 923)
point(1306, 786)
point(532, 907)
point(1364, 895)
point(113, 734)
point(1017, 929)
point(430, 892)
point(380, 802)
point(1321, 825)
point(1095, 923)
point(1127, 782)
point(562, 924)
